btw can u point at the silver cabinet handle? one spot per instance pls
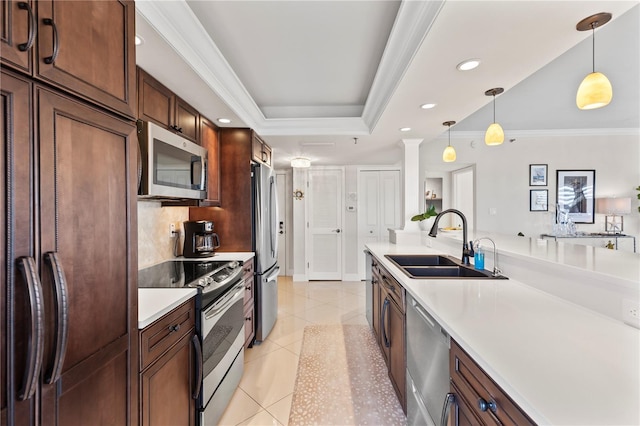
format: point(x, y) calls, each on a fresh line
point(35, 346)
point(62, 316)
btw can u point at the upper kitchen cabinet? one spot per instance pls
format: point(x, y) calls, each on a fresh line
point(209, 139)
point(261, 152)
point(160, 105)
point(18, 34)
point(84, 47)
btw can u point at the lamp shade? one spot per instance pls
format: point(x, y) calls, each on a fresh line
point(494, 135)
point(595, 91)
point(300, 162)
point(449, 154)
point(613, 205)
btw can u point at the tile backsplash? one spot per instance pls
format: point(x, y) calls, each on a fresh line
point(154, 242)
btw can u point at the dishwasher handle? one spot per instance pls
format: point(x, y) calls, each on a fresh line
point(422, 313)
point(449, 400)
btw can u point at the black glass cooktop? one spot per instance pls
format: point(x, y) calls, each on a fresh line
point(177, 273)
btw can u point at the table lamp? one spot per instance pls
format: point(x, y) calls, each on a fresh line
point(613, 208)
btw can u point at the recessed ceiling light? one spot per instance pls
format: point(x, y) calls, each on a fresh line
point(427, 106)
point(224, 120)
point(467, 65)
point(139, 40)
point(405, 129)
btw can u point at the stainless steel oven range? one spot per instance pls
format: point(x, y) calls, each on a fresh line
point(220, 324)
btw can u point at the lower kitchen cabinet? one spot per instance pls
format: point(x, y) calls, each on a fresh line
point(171, 369)
point(479, 400)
point(248, 307)
point(389, 302)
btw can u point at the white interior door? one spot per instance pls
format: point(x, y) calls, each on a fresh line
point(324, 226)
point(379, 208)
point(281, 185)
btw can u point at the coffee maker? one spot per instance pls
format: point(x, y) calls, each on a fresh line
point(199, 239)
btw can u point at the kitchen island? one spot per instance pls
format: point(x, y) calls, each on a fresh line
point(559, 361)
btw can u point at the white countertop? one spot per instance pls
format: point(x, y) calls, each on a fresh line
point(561, 363)
point(153, 303)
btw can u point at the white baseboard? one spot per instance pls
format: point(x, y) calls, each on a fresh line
point(351, 277)
point(300, 277)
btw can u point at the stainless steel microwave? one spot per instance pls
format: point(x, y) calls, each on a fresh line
point(170, 166)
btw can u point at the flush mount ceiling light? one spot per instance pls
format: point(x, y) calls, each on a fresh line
point(300, 162)
point(468, 65)
point(494, 134)
point(405, 129)
point(427, 106)
point(449, 154)
point(224, 120)
point(595, 91)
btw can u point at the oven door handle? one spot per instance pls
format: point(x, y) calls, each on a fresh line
point(236, 293)
point(197, 348)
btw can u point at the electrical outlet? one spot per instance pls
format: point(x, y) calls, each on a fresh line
point(172, 229)
point(631, 312)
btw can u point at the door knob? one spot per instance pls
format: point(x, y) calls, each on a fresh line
point(337, 231)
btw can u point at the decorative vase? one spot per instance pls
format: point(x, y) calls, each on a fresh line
point(426, 224)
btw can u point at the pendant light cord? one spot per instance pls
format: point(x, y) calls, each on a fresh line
point(593, 46)
point(449, 126)
point(494, 107)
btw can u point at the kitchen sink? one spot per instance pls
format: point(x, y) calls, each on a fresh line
point(437, 267)
point(402, 260)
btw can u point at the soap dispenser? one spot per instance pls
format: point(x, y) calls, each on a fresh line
point(478, 257)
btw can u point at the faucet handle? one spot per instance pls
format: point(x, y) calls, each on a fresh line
point(471, 252)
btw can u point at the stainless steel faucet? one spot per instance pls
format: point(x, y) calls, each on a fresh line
point(467, 249)
point(496, 271)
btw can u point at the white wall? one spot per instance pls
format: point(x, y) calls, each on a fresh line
point(502, 176)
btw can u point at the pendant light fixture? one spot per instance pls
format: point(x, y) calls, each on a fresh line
point(595, 91)
point(449, 154)
point(494, 134)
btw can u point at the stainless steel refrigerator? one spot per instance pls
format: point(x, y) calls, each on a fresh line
point(265, 246)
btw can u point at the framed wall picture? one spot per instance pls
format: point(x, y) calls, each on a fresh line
point(538, 200)
point(537, 175)
point(575, 191)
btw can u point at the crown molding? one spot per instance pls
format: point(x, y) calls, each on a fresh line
point(550, 132)
point(181, 29)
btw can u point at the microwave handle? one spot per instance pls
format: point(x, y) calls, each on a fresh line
point(195, 159)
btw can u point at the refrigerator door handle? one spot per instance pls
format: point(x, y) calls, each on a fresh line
point(273, 275)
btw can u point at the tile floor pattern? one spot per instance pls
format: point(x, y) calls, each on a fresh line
point(266, 389)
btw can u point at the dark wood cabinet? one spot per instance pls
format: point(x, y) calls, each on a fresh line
point(18, 28)
point(81, 263)
point(209, 140)
point(389, 326)
point(260, 151)
point(233, 220)
point(248, 307)
point(169, 370)
point(84, 47)
point(479, 400)
point(160, 105)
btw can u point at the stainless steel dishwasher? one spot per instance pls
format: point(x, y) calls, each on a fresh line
point(427, 367)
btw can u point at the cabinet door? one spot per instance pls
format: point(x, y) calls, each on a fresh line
point(376, 305)
point(87, 199)
point(186, 120)
point(155, 101)
point(88, 48)
point(209, 140)
point(167, 387)
point(18, 34)
point(17, 234)
point(397, 359)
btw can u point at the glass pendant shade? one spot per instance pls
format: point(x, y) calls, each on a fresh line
point(595, 91)
point(449, 154)
point(494, 135)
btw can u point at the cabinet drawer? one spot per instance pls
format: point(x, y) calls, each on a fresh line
point(247, 269)
point(160, 336)
point(393, 287)
point(248, 290)
point(474, 386)
point(248, 325)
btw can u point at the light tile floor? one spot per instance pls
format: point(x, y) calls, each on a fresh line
point(266, 389)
